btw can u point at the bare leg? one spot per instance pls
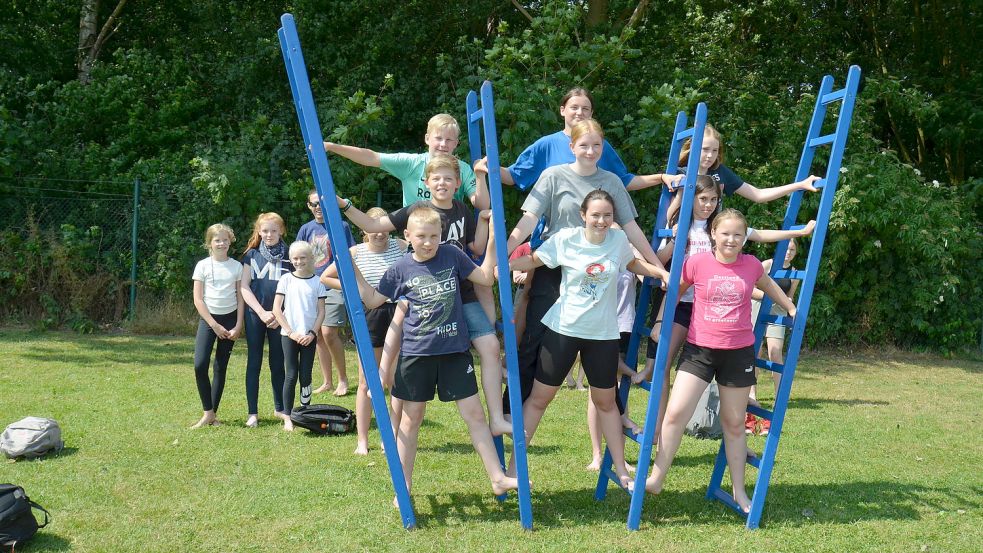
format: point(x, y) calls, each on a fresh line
point(675, 344)
point(685, 396)
point(594, 429)
point(532, 412)
point(332, 335)
point(491, 382)
point(363, 408)
point(481, 438)
point(324, 359)
point(733, 403)
point(407, 439)
point(776, 353)
point(610, 419)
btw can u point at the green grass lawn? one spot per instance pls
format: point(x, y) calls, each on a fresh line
point(881, 452)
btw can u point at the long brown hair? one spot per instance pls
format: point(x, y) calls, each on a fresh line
point(704, 183)
point(688, 145)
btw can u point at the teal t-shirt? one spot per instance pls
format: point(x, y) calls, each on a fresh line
point(409, 168)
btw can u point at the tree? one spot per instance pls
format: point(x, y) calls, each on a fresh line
point(92, 38)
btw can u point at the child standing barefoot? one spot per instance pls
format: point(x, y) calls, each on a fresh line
point(719, 344)
point(299, 308)
point(219, 305)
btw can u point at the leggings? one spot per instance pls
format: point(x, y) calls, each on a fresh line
point(211, 392)
point(543, 293)
point(256, 334)
point(298, 361)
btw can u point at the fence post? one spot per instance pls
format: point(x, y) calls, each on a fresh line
point(133, 248)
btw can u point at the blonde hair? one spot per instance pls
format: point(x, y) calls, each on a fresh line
point(443, 161)
point(423, 215)
point(374, 213)
point(213, 230)
point(301, 245)
point(710, 131)
point(729, 213)
point(441, 121)
point(254, 239)
point(585, 127)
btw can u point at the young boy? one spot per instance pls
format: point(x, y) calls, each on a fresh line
point(441, 138)
point(434, 352)
point(330, 348)
point(458, 229)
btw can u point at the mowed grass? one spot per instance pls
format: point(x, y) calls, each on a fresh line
point(881, 452)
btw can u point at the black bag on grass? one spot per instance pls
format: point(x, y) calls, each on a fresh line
point(17, 522)
point(324, 419)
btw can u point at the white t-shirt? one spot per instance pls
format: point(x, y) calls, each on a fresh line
point(300, 298)
point(221, 280)
point(588, 302)
point(698, 241)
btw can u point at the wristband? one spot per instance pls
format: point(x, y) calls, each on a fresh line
point(311, 332)
point(348, 205)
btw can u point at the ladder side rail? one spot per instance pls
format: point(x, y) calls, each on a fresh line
point(307, 114)
point(671, 297)
point(505, 299)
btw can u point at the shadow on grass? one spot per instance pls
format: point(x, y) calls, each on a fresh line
point(96, 351)
point(465, 448)
point(46, 541)
point(818, 403)
point(846, 503)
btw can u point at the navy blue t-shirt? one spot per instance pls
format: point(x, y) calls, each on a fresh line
point(314, 233)
point(264, 276)
point(727, 179)
point(434, 323)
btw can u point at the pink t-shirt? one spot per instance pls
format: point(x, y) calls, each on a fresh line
point(722, 306)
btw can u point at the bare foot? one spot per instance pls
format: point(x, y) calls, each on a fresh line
point(504, 484)
point(744, 501)
point(630, 425)
point(215, 422)
point(640, 377)
point(499, 427)
point(361, 449)
point(280, 415)
point(252, 421)
point(594, 465)
point(342, 389)
point(626, 482)
point(653, 484)
point(206, 420)
point(288, 425)
point(324, 388)
point(629, 467)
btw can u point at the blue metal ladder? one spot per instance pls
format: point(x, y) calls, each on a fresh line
point(680, 135)
point(300, 88)
point(481, 116)
point(837, 140)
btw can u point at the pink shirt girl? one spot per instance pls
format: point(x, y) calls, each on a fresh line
point(722, 300)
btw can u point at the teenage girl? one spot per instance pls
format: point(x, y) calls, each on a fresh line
point(373, 257)
point(558, 195)
point(264, 262)
point(719, 344)
point(299, 308)
point(583, 318)
point(774, 335)
point(216, 282)
point(706, 198)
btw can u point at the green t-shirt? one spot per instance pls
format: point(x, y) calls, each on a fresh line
point(409, 168)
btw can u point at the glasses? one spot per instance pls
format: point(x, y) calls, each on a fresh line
point(312, 205)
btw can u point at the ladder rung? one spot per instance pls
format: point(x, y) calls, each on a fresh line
point(829, 138)
point(796, 227)
point(664, 233)
point(632, 436)
point(833, 96)
point(753, 459)
point(760, 412)
point(790, 273)
point(685, 134)
point(770, 365)
point(645, 385)
point(819, 184)
point(476, 116)
point(726, 499)
point(783, 320)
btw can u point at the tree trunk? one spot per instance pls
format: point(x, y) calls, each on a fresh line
point(88, 31)
point(597, 13)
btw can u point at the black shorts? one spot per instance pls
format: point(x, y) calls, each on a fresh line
point(684, 313)
point(378, 320)
point(598, 357)
point(451, 374)
point(623, 343)
point(733, 368)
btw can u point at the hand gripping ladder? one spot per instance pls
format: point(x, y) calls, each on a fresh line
point(837, 141)
point(481, 117)
point(300, 87)
point(680, 134)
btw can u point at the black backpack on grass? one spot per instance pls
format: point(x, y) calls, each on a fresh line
point(324, 419)
point(17, 522)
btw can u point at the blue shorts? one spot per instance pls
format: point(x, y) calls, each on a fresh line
point(478, 323)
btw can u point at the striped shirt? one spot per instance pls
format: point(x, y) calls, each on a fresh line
point(373, 265)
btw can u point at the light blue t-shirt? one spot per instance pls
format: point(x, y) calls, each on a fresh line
point(588, 302)
point(554, 149)
point(409, 169)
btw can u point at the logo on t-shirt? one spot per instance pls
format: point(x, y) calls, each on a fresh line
point(594, 277)
point(724, 297)
point(436, 296)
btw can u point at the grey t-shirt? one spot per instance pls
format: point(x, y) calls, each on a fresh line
point(558, 193)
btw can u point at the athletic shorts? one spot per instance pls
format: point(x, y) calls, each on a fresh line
point(772, 330)
point(334, 313)
point(598, 357)
point(378, 321)
point(733, 368)
point(684, 313)
point(623, 343)
point(451, 374)
point(478, 323)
